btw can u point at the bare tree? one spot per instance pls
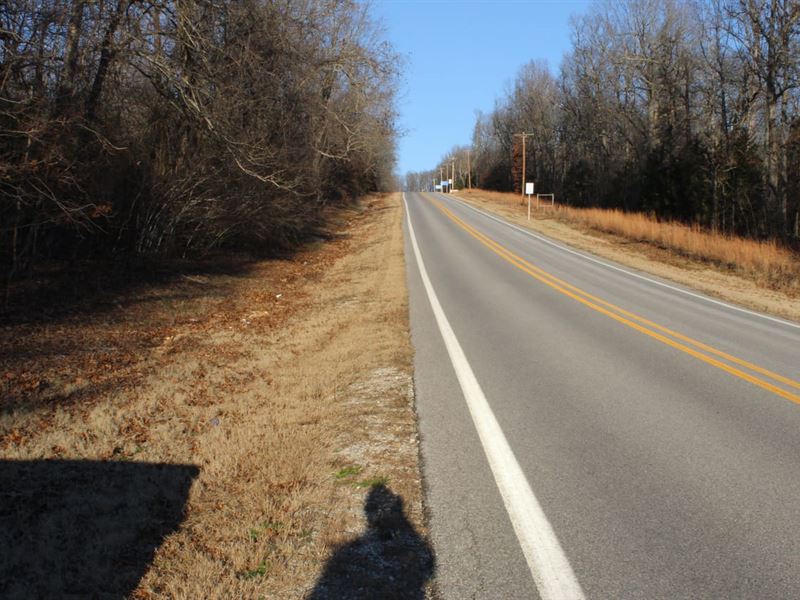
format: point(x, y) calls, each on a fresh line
point(768, 32)
point(159, 126)
point(684, 108)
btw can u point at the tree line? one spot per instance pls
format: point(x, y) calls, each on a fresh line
point(178, 126)
point(685, 109)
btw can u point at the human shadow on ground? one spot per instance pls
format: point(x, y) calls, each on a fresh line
point(390, 560)
point(85, 529)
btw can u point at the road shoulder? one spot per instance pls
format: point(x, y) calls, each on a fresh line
point(700, 276)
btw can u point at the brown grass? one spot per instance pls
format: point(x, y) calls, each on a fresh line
point(768, 263)
point(288, 386)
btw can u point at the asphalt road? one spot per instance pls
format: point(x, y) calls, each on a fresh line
point(590, 431)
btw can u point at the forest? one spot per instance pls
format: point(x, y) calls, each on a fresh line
point(686, 110)
point(178, 127)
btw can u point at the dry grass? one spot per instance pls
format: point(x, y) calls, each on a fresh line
point(766, 262)
point(776, 294)
point(287, 390)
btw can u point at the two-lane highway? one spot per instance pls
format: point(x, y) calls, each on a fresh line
point(589, 431)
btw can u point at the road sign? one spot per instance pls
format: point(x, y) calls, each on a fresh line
point(529, 188)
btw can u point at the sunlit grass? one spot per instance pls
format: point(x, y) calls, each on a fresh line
point(766, 260)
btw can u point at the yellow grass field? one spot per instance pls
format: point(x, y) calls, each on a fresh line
point(766, 262)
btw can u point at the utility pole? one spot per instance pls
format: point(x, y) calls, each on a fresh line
point(441, 181)
point(524, 136)
point(469, 170)
point(453, 180)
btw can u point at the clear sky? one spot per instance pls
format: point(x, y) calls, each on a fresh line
point(460, 56)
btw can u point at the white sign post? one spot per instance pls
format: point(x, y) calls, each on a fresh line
point(529, 191)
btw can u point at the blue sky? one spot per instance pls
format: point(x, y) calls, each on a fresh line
point(460, 56)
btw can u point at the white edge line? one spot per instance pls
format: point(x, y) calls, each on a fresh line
point(546, 560)
point(621, 270)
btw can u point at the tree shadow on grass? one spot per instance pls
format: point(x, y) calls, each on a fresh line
point(390, 560)
point(58, 291)
point(85, 529)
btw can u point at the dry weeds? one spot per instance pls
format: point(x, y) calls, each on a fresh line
point(760, 275)
point(289, 386)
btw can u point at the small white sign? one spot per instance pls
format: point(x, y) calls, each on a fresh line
point(529, 188)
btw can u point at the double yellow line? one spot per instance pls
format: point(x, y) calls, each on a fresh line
point(681, 342)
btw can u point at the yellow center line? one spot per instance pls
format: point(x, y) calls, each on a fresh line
point(597, 304)
point(675, 334)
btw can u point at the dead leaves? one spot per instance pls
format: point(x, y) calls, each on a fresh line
point(73, 364)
